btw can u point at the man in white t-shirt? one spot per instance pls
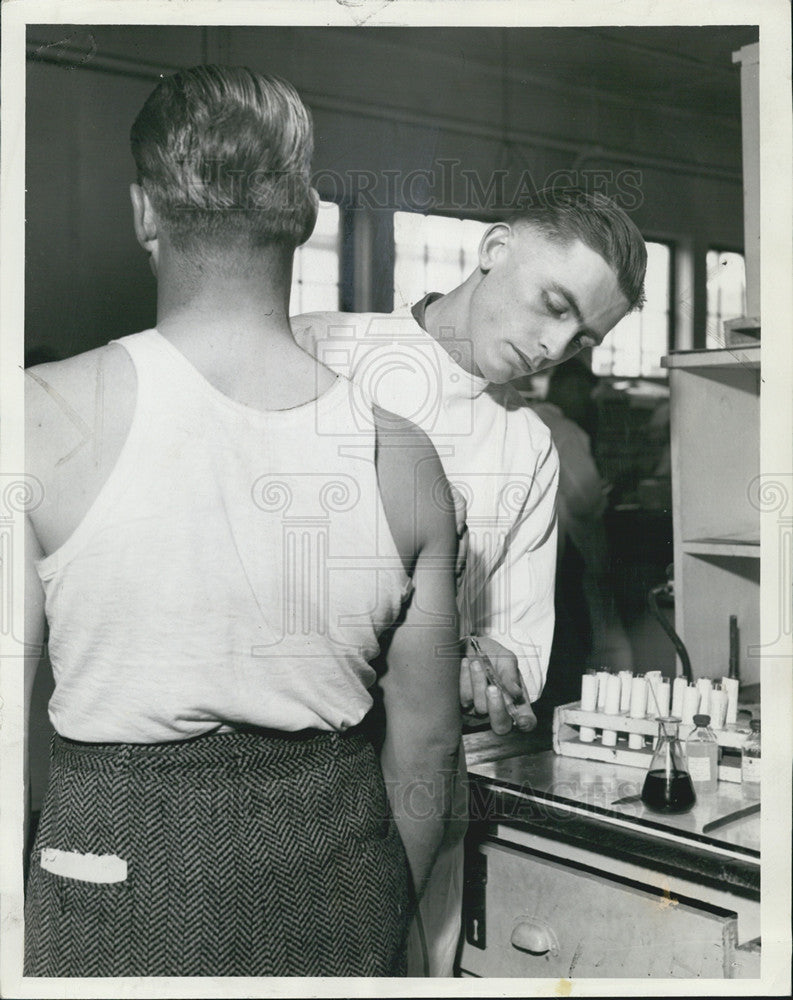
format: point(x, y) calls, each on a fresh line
point(551, 281)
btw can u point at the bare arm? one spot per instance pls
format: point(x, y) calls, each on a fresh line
point(34, 636)
point(420, 686)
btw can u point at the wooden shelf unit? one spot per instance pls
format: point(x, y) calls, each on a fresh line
point(715, 413)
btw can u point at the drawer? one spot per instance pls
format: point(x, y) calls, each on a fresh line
point(527, 914)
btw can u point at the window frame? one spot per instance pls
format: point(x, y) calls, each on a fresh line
point(343, 225)
point(720, 249)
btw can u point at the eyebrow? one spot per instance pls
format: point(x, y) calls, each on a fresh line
point(573, 303)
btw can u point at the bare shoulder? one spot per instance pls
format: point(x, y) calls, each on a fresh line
point(65, 400)
point(304, 320)
point(413, 485)
point(316, 324)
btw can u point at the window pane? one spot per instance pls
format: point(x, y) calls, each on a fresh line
point(726, 275)
point(638, 342)
point(433, 253)
point(315, 273)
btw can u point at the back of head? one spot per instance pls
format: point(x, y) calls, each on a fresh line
point(569, 213)
point(224, 154)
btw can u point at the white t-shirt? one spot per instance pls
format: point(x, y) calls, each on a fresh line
point(494, 449)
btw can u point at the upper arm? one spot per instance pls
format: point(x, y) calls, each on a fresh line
point(34, 610)
point(77, 417)
point(423, 657)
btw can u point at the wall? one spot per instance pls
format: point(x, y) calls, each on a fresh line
point(387, 103)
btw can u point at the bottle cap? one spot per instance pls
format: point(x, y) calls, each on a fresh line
point(701, 720)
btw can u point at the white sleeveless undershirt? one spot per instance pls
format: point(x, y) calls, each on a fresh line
point(236, 567)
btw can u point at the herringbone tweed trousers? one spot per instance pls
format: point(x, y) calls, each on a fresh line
point(247, 854)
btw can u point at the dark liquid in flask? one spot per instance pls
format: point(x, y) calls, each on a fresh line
point(668, 792)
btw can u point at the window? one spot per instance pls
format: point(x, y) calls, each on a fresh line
point(637, 343)
point(433, 253)
point(726, 276)
point(315, 273)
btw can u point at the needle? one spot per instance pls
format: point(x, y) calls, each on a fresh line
point(493, 678)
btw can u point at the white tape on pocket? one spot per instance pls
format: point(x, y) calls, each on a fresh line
point(100, 868)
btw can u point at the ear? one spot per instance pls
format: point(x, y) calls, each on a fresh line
point(145, 222)
point(311, 220)
point(494, 244)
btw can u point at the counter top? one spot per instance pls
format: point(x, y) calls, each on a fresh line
point(516, 782)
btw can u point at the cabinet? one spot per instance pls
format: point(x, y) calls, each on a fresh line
point(541, 917)
point(568, 875)
point(715, 421)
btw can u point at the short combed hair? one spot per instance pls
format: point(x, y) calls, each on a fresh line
point(225, 156)
point(569, 213)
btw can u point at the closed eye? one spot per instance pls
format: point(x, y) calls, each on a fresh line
point(556, 307)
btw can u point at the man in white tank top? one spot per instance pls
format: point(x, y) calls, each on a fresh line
point(552, 280)
point(221, 244)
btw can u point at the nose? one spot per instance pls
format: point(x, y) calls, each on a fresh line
point(556, 339)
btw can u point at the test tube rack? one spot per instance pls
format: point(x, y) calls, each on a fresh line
point(568, 720)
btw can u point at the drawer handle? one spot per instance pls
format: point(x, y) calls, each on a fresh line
point(534, 937)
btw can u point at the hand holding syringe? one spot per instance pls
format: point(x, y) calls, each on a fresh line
point(484, 682)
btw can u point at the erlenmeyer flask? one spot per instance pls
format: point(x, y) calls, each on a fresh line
point(668, 787)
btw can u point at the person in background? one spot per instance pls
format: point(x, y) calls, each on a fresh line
point(551, 280)
point(218, 560)
point(584, 594)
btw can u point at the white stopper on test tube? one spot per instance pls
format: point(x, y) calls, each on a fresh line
point(602, 676)
point(679, 686)
point(638, 706)
point(663, 694)
point(626, 677)
point(704, 686)
point(637, 710)
point(730, 685)
point(613, 691)
point(718, 708)
point(690, 705)
point(653, 678)
point(589, 693)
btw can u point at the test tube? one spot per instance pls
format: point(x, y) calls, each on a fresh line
point(718, 708)
point(730, 685)
point(637, 710)
point(662, 693)
point(602, 676)
point(653, 682)
point(638, 705)
point(690, 705)
point(678, 688)
point(626, 677)
point(704, 686)
point(613, 690)
point(589, 696)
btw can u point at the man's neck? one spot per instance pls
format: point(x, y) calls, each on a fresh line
point(232, 325)
point(239, 305)
point(446, 321)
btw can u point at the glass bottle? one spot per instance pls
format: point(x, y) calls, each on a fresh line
point(750, 763)
point(667, 787)
point(702, 755)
